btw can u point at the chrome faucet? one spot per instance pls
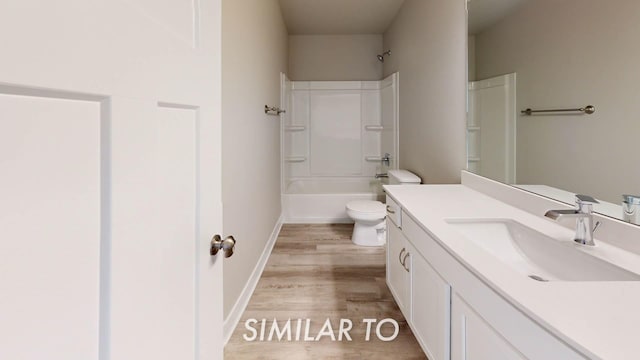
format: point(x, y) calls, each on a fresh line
point(386, 159)
point(583, 213)
point(378, 176)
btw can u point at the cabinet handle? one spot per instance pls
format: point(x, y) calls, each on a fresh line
point(389, 210)
point(404, 261)
point(400, 256)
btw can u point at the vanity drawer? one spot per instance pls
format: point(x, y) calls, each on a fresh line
point(394, 211)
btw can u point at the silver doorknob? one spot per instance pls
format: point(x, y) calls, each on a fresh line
point(225, 245)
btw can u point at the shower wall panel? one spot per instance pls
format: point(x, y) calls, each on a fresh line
point(389, 111)
point(339, 128)
point(335, 133)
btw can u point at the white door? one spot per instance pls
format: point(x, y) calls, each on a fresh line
point(110, 179)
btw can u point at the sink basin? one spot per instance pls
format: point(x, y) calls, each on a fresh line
point(536, 255)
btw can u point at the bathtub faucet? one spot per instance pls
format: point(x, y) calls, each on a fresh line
point(378, 176)
point(386, 159)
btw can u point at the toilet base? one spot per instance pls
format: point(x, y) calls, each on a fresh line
point(367, 234)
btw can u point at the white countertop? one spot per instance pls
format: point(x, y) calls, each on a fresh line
point(599, 319)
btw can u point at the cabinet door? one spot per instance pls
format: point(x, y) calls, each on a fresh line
point(430, 307)
point(472, 338)
point(397, 274)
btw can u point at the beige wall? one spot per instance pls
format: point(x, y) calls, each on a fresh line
point(254, 53)
point(428, 41)
point(569, 54)
point(335, 57)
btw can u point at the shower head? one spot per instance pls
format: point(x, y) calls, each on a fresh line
point(386, 53)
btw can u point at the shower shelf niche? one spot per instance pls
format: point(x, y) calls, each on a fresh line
point(374, 127)
point(295, 159)
point(295, 128)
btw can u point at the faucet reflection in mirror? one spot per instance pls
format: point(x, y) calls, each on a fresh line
point(631, 208)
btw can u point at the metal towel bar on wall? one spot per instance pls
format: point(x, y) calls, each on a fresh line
point(273, 110)
point(589, 109)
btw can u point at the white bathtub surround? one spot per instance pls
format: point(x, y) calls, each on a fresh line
point(335, 135)
point(339, 128)
point(537, 320)
point(323, 200)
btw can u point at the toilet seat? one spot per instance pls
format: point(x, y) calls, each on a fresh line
point(366, 210)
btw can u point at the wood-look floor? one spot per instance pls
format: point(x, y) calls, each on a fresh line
point(316, 272)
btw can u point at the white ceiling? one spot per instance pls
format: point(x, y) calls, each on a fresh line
point(338, 17)
point(484, 13)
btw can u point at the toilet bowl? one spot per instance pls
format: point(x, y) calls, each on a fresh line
point(369, 227)
point(369, 216)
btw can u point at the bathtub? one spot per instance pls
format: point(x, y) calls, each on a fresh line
point(323, 200)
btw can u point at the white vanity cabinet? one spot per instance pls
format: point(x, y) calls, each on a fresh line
point(430, 306)
point(472, 338)
point(485, 326)
point(398, 276)
point(422, 295)
point(453, 314)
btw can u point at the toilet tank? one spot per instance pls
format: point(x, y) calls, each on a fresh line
point(400, 177)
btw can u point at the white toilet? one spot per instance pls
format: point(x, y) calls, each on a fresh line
point(369, 215)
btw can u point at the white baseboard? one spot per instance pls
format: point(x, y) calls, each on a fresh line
point(232, 320)
point(317, 220)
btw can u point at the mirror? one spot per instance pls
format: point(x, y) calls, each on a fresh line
point(557, 55)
